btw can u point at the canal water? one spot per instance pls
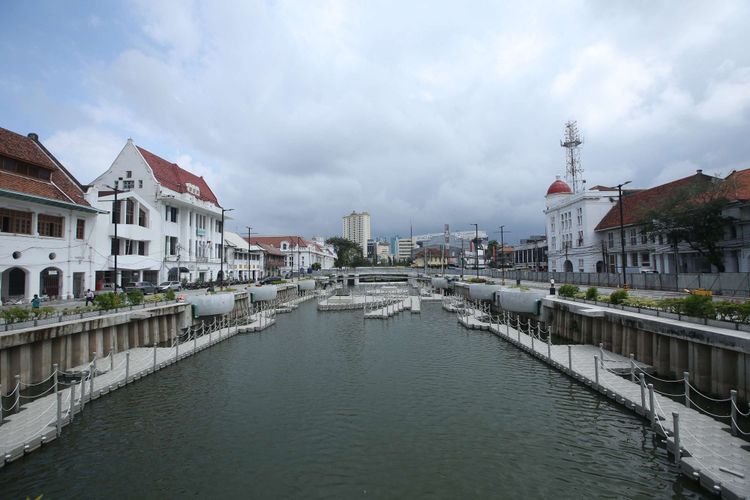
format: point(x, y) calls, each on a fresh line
point(327, 405)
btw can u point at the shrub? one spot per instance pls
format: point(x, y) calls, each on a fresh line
point(642, 302)
point(672, 305)
point(43, 312)
point(477, 280)
point(135, 297)
point(699, 306)
point(567, 290)
point(170, 295)
point(726, 310)
point(603, 298)
point(15, 314)
point(618, 296)
point(591, 293)
point(109, 300)
point(743, 312)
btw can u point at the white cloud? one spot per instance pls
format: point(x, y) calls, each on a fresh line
point(85, 151)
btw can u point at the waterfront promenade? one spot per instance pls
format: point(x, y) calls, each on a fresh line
point(704, 447)
point(41, 419)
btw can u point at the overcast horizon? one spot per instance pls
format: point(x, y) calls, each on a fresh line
point(298, 113)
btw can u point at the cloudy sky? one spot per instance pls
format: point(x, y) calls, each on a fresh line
point(299, 112)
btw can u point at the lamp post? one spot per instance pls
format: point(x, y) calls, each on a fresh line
point(622, 234)
point(221, 264)
point(476, 247)
point(116, 214)
point(502, 253)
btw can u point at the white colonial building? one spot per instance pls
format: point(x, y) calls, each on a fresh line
point(46, 224)
point(168, 223)
point(244, 261)
point(300, 254)
point(573, 243)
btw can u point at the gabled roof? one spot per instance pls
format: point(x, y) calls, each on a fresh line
point(270, 249)
point(636, 203)
point(738, 185)
point(275, 241)
point(176, 178)
point(62, 186)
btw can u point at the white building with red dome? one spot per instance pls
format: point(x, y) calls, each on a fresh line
point(571, 219)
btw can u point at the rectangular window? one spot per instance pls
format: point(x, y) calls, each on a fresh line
point(644, 238)
point(141, 248)
point(129, 247)
point(610, 240)
point(633, 237)
point(128, 174)
point(128, 184)
point(80, 228)
point(142, 218)
point(173, 215)
point(634, 259)
point(129, 211)
point(645, 260)
point(15, 221)
point(140, 184)
point(49, 225)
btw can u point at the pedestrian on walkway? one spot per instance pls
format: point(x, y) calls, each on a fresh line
point(89, 297)
point(35, 302)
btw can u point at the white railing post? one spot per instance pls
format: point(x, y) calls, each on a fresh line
point(111, 361)
point(507, 324)
point(643, 390)
point(601, 353)
point(127, 366)
point(733, 410)
point(195, 341)
point(686, 378)
point(83, 390)
point(632, 368)
point(549, 346)
point(17, 402)
point(54, 377)
point(72, 400)
point(676, 436)
point(59, 413)
point(154, 356)
point(652, 414)
point(596, 369)
point(93, 376)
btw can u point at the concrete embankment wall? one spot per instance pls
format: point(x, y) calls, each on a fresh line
point(32, 351)
point(717, 359)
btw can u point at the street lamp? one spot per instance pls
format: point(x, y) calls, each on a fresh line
point(221, 265)
point(502, 253)
point(116, 214)
point(622, 234)
point(476, 247)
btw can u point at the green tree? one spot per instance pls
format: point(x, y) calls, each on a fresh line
point(348, 253)
point(692, 214)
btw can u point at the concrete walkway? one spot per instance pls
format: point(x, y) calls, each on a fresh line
point(709, 453)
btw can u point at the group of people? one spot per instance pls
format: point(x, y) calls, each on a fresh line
point(36, 301)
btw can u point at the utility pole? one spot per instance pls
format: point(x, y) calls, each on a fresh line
point(249, 232)
point(116, 216)
point(476, 247)
point(502, 253)
point(622, 235)
point(221, 264)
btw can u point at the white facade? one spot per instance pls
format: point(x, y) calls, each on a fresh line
point(573, 245)
point(405, 248)
point(56, 264)
point(160, 229)
point(243, 261)
point(356, 228)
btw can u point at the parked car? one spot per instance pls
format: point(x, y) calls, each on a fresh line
point(167, 285)
point(143, 286)
point(109, 287)
point(270, 279)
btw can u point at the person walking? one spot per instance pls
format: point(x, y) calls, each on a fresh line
point(89, 297)
point(35, 302)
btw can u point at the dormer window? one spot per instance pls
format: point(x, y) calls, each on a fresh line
point(25, 169)
point(193, 189)
point(284, 246)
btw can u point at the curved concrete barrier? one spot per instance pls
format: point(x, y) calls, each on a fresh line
point(478, 291)
point(306, 285)
point(210, 305)
point(520, 301)
point(263, 293)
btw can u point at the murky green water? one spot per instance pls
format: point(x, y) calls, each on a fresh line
point(326, 405)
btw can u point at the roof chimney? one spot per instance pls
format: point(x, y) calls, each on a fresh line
point(34, 137)
point(700, 171)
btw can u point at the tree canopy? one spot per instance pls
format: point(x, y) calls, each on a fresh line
point(694, 215)
point(349, 253)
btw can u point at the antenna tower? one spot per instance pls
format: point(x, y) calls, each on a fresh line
point(573, 170)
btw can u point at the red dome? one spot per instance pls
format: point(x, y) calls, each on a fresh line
point(559, 187)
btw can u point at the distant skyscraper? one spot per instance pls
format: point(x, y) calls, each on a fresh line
point(356, 228)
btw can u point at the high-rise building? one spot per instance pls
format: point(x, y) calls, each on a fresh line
point(356, 228)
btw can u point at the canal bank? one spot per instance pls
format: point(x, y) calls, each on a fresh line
point(329, 405)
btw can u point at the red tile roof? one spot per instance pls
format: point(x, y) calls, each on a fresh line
point(738, 185)
point(174, 177)
point(62, 186)
point(636, 203)
point(275, 241)
point(270, 249)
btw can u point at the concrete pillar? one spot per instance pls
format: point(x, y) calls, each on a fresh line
point(145, 338)
point(723, 371)
point(661, 354)
point(700, 371)
point(25, 362)
point(5, 373)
